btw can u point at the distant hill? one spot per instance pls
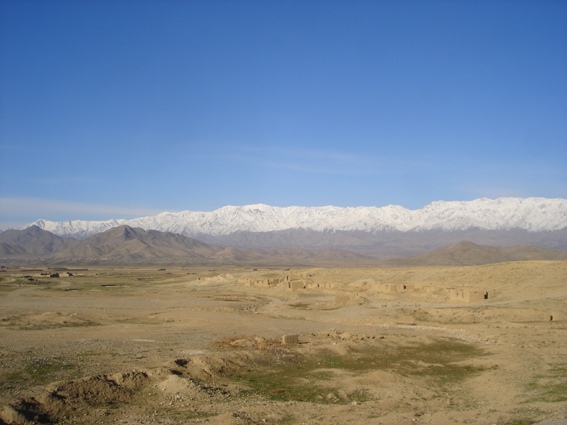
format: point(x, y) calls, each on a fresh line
point(389, 244)
point(127, 244)
point(469, 254)
point(130, 244)
point(32, 241)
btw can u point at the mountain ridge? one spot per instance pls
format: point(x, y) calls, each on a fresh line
point(127, 244)
point(531, 214)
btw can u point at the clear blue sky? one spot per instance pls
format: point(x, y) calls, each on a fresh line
point(116, 109)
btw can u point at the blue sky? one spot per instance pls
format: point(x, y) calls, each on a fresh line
point(116, 109)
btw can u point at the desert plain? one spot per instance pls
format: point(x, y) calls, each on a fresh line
point(194, 344)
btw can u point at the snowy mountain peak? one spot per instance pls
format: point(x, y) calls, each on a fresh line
point(532, 214)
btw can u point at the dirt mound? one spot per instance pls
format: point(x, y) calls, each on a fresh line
point(68, 398)
point(244, 342)
point(47, 320)
point(99, 389)
point(183, 380)
point(346, 336)
point(214, 366)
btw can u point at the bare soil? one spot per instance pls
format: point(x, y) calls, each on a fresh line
point(191, 345)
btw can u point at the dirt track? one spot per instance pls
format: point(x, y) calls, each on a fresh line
point(141, 346)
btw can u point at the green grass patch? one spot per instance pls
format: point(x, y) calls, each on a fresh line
point(294, 377)
point(550, 387)
point(5, 288)
point(12, 285)
point(300, 306)
point(47, 371)
point(40, 372)
point(44, 326)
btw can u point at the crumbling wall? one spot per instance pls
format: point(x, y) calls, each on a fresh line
point(554, 316)
point(290, 339)
point(296, 285)
point(259, 282)
point(467, 295)
point(274, 281)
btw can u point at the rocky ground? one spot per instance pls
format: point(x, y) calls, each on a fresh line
point(192, 345)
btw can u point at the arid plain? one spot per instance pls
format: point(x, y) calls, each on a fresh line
point(204, 345)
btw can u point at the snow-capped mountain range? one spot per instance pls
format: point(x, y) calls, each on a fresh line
point(531, 214)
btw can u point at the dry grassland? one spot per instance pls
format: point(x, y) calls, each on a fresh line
point(191, 345)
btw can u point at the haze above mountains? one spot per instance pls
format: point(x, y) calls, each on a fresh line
point(386, 232)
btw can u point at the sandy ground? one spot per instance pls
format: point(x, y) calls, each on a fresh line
point(193, 345)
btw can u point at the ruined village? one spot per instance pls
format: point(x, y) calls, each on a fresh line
point(241, 345)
